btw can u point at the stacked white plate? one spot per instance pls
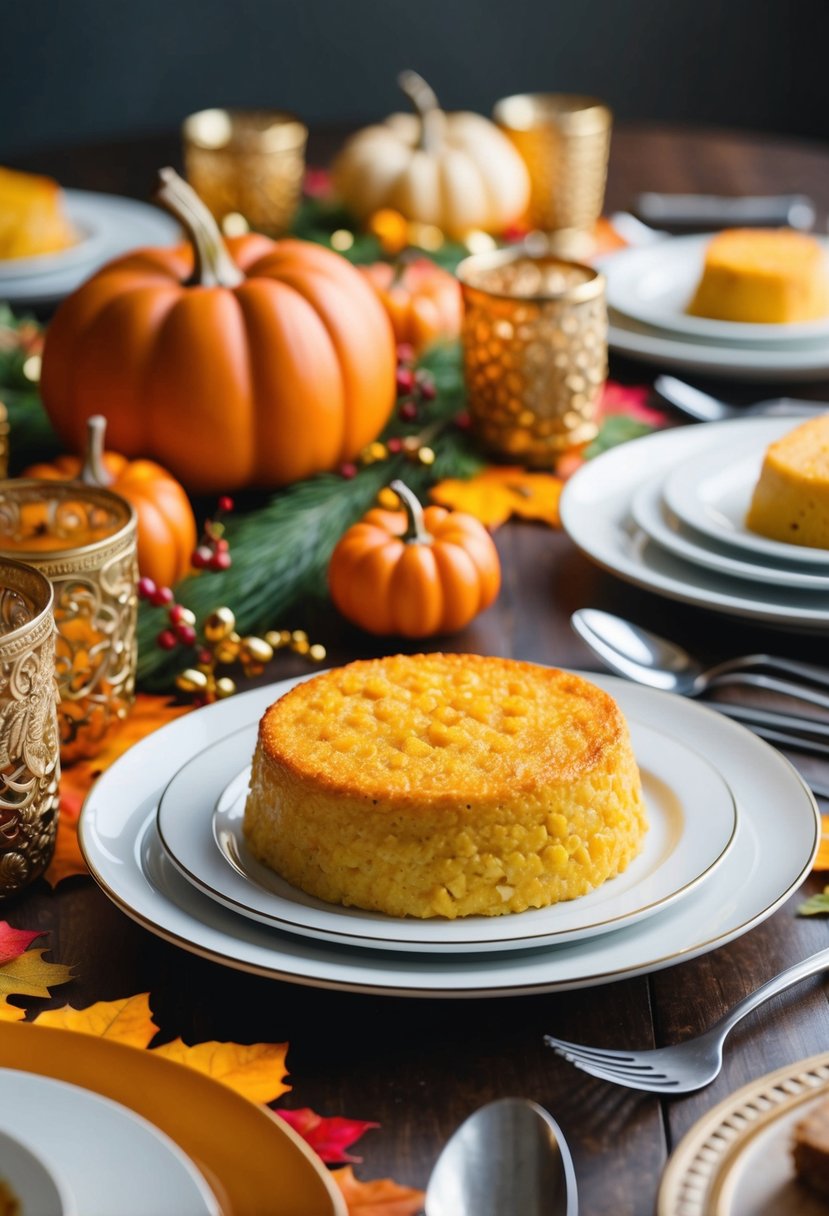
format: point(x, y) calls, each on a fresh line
point(106, 225)
point(162, 833)
point(648, 292)
point(667, 512)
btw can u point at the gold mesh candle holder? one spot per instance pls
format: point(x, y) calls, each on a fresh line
point(535, 352)
point(29, 747)
point(248, 164)
point(564, 140)
point(83, 539)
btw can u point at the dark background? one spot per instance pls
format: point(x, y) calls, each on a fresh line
point(86, 70)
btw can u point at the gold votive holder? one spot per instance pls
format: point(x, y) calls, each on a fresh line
point(535, 352)
point(564, 140)
point(29, 749)
point(247, 166)
point(83, 540)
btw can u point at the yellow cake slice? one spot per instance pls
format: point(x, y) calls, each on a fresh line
point(791, 498)
point(763, 276)
point(32, 219)
point(445, 785)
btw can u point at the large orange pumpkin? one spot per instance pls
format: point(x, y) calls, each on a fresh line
point(166, 529)
point(254, 363)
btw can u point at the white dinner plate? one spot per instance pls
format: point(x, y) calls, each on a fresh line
point(113, 1162)
point(691, 815)
point(654, 285)
point(713, 496)
point(727, 361)
point(111, 225)
point(770, 857)
point(596, 513)
point(656, 519)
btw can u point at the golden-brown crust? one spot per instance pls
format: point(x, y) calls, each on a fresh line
point(568, 725)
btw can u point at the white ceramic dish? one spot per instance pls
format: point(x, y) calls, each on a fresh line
point(713, 495)
point(112, 226)
point(114, 1162)
point(770, 857)
point(691, 814)
point(656, 519)
point(654, 285)
point(596, 512)
point(728, 361)
point(31, 1182)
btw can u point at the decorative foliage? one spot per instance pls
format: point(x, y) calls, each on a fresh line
point(497, 494)
point(328, 1137)
point(13, 942)
point(127, 1021)
point(24, 972)
point(815, 905)
point(381, 1197)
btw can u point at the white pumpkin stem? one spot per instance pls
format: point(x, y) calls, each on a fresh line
point(94, 471)
point(423, 98)
point(415, 533)
point(212, 264)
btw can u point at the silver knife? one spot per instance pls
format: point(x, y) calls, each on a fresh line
point(719, 211)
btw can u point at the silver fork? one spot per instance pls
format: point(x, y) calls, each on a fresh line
point(685, 1066)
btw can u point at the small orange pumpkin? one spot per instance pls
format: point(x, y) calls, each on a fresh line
point(422, 299)
point(414, 572)
point(166, 524)
point(249, 362)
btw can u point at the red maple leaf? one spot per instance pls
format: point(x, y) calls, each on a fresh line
point(13, 942)
point(329, 1137)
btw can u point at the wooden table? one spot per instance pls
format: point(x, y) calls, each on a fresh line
point(420, 1066)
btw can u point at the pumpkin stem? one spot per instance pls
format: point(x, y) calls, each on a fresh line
point(94, 471)
point(212, 264)
point(415, 533)
point(423, 98)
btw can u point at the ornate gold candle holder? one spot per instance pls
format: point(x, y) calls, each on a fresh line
point(248, 164)
point(535, 352)
point(29, 750)
point(83, 539)
point(564, 140)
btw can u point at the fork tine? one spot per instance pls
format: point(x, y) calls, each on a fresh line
point(649, 1083)
point(578, 1050)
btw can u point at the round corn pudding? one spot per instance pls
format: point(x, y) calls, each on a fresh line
point(445, 785)
point(791, 499)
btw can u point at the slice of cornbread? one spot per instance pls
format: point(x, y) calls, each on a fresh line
point(791, 498)
point(810, 1148)
point(32, 219)
point(445, 785)
point(763, 276)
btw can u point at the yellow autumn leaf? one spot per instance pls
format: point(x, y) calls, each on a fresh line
point(380, 1197)
point(496, 494)
point(28, 975)
point(127, 1021)
point(256, 1071)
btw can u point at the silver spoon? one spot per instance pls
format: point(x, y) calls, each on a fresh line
point(649, 659)
point(508, 1159)
point(704, 408)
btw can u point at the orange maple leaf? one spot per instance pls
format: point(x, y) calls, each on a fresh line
point(127, 1021)
point(821, 862)
point(256, 1071)
point(496, 494)
point(381, 1197)
point(147, 714)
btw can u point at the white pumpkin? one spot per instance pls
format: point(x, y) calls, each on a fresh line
point(456, 171)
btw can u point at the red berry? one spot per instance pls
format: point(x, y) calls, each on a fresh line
point(225, 503)
point(175, 613)
point(408, 411)
point(146, 588)
point(161, 597)
point(198, 701)
point(167, 640)
point(222, 545)
point(395, 444)
point(348, 469)
point(202, 557)
point(426, 388)
point(186, 634)
point(463, 422)
point(221, 560)
point(405, 352)
point(405, 380)
point(204, 656)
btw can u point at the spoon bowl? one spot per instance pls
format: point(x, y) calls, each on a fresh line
point(508, 1158)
